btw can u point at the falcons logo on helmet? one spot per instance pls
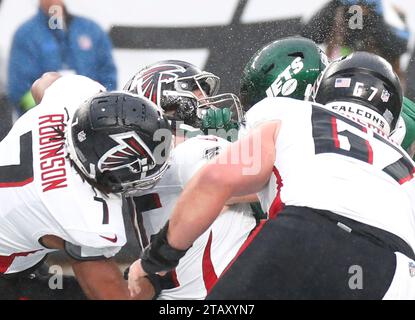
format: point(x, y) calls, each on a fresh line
point(131, 152)
point(150, 80)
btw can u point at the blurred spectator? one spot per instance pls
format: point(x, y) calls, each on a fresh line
point(376, 27)
point(55, 40)
point(5, 112)
point(410, 77)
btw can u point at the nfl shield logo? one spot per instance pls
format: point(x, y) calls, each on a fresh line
point(385, 95)
point(412, 269)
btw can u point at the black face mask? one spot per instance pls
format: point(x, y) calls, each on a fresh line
point(183, 109)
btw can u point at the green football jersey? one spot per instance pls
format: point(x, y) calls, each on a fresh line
point(408, 115)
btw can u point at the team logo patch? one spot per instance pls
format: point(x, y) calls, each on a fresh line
point(131, 152)
point(151, 80)
point(211, 153)
point(412, 269)
point(81, 136)
point(284, 83)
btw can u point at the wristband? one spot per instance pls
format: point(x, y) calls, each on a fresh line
point(160, 283)
point(159, 255)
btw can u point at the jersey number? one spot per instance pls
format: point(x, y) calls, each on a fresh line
point(21, 174)
point(105, 214)
point(136, 207)
point(328, 139)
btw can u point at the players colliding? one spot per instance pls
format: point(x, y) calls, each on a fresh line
point(189, 99)
point(149, 144)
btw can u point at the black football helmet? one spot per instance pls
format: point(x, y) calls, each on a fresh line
point(113, 139)
point(363, 78)
point(182, 90)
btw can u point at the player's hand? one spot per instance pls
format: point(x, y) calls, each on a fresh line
point(218, 119)
point(134, 278)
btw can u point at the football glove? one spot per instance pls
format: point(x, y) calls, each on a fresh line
point(218, 119)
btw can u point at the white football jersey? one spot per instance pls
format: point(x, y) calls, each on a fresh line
point(211, 253)
point(334, 162)
point(41, 193)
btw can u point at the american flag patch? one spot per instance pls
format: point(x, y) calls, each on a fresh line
point(342, 83)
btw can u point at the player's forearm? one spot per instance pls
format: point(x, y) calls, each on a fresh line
point(230, 174)
point(196, 209)
point(101, 280)
point(243, 199)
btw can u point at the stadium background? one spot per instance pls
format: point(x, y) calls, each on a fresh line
point(216, 35)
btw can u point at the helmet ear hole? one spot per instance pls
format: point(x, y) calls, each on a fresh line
point(270, 67)
point(297, 54)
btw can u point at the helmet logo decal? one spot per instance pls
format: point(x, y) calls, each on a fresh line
point(289, 87)
point(81, 136)
point(131, 152)
point(277, 86)
point(152, 78)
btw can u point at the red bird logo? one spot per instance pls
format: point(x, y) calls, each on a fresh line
point(131, 152)
point(152, 79)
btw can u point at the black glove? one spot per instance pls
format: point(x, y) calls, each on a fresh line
point(159, 255)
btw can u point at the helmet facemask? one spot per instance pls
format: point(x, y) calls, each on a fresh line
point(183, 102)
point(225, 100)
point(182, 90)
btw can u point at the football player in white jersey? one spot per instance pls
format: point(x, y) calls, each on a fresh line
point(181, 90)
point(343, 195)
point(285, 67)
point(58, 188)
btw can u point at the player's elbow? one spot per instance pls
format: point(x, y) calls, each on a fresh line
point(40, 85)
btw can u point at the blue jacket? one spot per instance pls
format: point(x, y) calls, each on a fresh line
point(36, 49)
